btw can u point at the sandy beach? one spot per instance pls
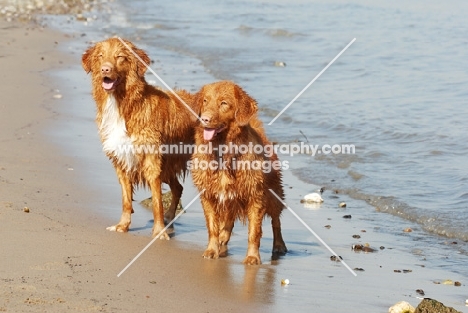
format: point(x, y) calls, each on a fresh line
point(59, 257)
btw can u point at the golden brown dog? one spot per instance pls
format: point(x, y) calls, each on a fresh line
point(236, 182)
point(134, 120)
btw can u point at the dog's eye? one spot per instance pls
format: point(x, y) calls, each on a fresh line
point(223, 103)
point(121, 56)
point(205, 101)
point(100, 55)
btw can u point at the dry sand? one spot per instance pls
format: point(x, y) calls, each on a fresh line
point(59, 258)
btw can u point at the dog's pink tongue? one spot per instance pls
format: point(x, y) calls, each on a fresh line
point(208, 133)
point(108, 84)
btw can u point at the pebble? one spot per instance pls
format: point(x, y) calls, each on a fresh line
point(280, 64)
point(420, 291)
point(327, 226)
point(457, 284)
point(342, 204)
point(347, 216)
point(336, 258)
point(407, 230)
point(364, 248)
point(356, 236)
point(284, 282)
point(26, 209)
point(57, 96)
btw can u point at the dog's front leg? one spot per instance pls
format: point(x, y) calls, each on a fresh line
point(212, 224)
point(255, 216)
point(127, 209)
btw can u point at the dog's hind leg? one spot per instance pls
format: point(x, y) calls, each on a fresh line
point(176, 191)
point(225, 228)
point(279, 247)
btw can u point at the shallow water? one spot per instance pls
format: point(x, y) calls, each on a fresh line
point(398, 95)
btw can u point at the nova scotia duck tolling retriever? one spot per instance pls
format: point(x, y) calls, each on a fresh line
point(134, 120)
point(235, 180)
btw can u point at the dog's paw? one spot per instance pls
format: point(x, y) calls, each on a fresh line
point(279, 249)
point(210, 254)
point(161, 235)
point(252, 260)
point(117, 228)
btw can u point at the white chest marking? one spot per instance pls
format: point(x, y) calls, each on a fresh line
point(116, 141)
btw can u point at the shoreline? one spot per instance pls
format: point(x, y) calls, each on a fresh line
point(61, 258)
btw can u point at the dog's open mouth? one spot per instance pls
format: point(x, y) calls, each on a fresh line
point(109, 84)
point(209, 133)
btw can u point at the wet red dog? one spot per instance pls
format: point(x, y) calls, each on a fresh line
point(236, 185)
point(132, 115)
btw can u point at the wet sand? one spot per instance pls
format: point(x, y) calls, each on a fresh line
point(59, 257)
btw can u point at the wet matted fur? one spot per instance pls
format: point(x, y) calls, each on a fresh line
point(132, 114)
point(229, 116)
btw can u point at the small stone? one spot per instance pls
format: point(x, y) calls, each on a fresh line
point(359, 269)
point(401, 307)
point(420, 292)
point(447, 282)
point(342, 204)
point(407, 230)
point(356, 236)
point(327, 226)
point(457, 284)
point(57, 96)
point(382, 247)
point(312, 198)
point(346, 216)
point(336, 258)
point(284, 282)
point(26, 209)
point(280, 64)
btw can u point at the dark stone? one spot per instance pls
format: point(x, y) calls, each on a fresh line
point(428, 305)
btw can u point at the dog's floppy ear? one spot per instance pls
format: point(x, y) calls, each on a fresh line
point(246, 106)
point(141, 68)
point(86, 59)
point(198, 101)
